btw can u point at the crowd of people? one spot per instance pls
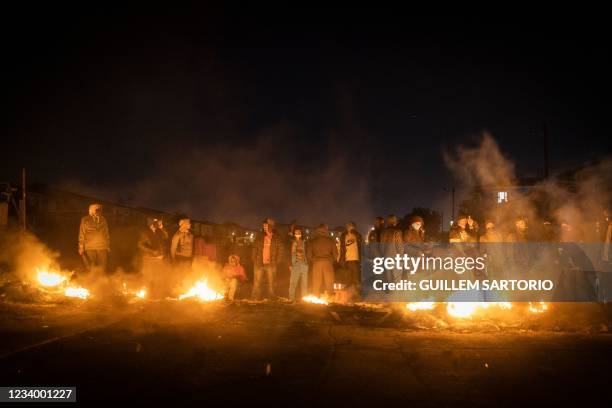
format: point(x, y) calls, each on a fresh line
point(321, 264)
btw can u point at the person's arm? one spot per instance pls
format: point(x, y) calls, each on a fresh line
point(144, 245)
point(173, 246)
point(106, 234)
point(82, 237)
point(334, 251)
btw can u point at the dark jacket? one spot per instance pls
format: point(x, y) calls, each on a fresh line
point(359, 243)
point(276, 250)
point(375, 235)
point(152, 243)
point(93, 233)
point(392, 240)
point(322, 248)
point(413, 236)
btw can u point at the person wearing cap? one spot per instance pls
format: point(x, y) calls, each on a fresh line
point(94, 239)
point(181, 248)
point(233, 276)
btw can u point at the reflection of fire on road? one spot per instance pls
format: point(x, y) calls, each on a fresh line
point(201, 292)
point(55, 282)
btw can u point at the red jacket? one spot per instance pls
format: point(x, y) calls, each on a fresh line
point(231, 272)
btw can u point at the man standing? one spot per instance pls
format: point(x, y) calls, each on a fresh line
point(350, 256)
point(151, 246)
point(181, 249)
point(299, 265)
point(266, 255)
point(392, 245)
point(322, 253)
point(94, 239)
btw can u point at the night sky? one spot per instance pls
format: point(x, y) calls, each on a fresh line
point(236, 117)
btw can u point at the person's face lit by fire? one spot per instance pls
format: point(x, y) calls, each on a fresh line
point(95, 210)
point(233, 260)
point(417, 225)
point(490, 226)
point(184, 225)
point(297, 234)
point(521, 225)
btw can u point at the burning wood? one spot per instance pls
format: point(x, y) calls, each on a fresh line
point(202, 292)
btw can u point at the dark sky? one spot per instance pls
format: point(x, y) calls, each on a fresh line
point(347, 116)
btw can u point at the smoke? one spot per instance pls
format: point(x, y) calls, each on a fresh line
point(575, 198)
point(23, 254)
point(276, 174)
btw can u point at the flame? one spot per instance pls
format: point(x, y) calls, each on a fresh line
point(76, 291)
point(202, 292)
point(58, 283)
point(142, 293)
point(314, 299)
point(50, 279)
point(538, 307)
point(465, 310)
point(420, 306)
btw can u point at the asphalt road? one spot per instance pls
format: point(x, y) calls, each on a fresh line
point(300, 355)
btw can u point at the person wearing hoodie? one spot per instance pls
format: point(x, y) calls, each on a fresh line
point(233, 276)
point(94, 239)
point(415, 233)
point(322, 253)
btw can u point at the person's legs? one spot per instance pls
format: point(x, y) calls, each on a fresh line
point(317, 277)
point(328, 277)
point(304, 281)
point(293, 281)
point(257, 276)
point(271, 273)
point(355, 276)
point(102, 260)
point(233, 284)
